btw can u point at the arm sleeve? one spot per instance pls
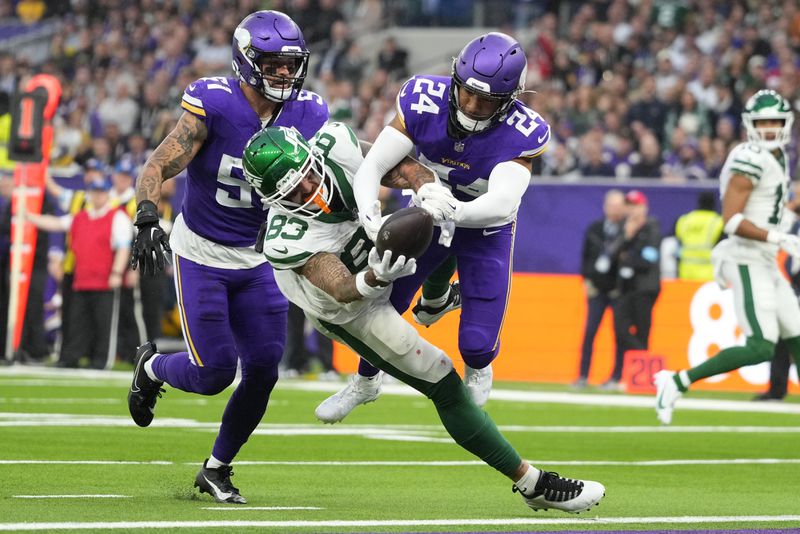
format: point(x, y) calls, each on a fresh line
point(389, 149)
point(121, 231)
point(508, 181)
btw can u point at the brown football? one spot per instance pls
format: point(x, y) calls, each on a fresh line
point(406, 232)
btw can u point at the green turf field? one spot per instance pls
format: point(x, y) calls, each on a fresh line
point(71, 458)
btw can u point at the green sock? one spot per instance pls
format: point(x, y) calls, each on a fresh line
point(438, 283)
point(794, 349)
point(756, 351)
point(470, 426)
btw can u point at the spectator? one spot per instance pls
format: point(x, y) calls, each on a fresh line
point(649, 162)
point(101, 240)
point(638, 281)
point(393, 59)
point(697, 232)
point(599, 271)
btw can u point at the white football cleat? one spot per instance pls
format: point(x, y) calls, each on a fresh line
point(565, 494)
point(667, 393)
point(479, 383)
point(359, 390)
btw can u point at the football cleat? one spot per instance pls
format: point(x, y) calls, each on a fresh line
point(479, 383)
point(565, 494)
point(667, 393)
point(427, 315)
point(144, 391)
point(217, 483)
point(359, 390)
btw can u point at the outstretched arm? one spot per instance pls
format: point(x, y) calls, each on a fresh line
point(327, 272)
point(170, 157)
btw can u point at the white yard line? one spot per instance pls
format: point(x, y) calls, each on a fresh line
point(101, 496)
point(256, 508)
point(436, 463)
point(233, 525)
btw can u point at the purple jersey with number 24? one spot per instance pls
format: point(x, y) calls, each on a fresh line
point(219, 204)
point(465, 165)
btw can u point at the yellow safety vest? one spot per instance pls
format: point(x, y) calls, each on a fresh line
point(698, 231)
point(6, 164)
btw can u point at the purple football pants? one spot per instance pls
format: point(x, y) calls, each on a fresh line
point(484, 257)
point(228, 315)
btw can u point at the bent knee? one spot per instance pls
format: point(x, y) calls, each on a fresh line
point(763, 350)
point(478, 346)
point(213, 380)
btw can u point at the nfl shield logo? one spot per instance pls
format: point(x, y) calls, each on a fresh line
point(459, 146)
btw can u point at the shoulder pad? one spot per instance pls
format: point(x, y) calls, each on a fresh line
point(527, 131)
point(747, 159)
point(206, 95)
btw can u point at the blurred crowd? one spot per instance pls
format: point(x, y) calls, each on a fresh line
point(633, 88)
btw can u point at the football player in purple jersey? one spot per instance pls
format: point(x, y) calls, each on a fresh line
point(231, 310)
point(471, 129)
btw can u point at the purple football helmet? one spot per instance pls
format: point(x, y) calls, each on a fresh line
point(271, 37)
point(493, 66)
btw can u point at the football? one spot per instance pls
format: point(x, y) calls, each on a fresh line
point(406, 232)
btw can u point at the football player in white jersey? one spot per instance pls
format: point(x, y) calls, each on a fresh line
point(753, 186)
point(325, 264)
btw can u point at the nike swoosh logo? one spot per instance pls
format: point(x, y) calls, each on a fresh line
point(488, 232)
point(542, 138)
point(279, 251)
point(220, 494)
point(191, 87)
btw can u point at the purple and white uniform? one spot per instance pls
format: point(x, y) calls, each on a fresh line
point(230, 306)
point(484, 254)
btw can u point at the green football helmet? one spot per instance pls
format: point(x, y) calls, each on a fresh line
point(767, 104)
point(275, 161)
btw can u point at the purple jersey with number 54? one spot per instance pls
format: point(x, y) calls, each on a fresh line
point(219, 204)
point(465, 165)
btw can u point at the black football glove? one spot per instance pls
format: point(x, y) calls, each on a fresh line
point(151, 245)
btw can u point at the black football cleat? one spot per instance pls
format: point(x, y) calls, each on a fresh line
point(217, 483)
point(427, 315)
point(144, 391)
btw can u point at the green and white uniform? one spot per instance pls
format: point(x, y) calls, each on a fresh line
point(365, 325)
point(766, 306)
point(290, 240)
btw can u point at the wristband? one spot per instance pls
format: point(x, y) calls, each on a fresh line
point(733, 223)
point(367, 291)
point(774, 237)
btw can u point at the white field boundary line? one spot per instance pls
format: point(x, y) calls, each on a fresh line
point(17, 419)
point(98, 496)
point(58, 377)
point(435, 463)
point(232, 525)
point(259, 508)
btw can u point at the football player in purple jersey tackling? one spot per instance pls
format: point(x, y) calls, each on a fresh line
point(471, 129)
point(231, 309)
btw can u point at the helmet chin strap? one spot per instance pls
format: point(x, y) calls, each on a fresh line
point(471, 125)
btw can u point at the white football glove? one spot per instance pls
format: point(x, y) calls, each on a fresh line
point(790, 243)
point(371, 220)
point(387, 271)
point(437, 200)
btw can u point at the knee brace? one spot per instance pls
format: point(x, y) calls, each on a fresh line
point(761, 349)
point(213, 380)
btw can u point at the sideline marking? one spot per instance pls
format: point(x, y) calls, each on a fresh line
point(71, 496)
point(436, 463)
point(32, 376)
point(228, 525)
point(249, 508)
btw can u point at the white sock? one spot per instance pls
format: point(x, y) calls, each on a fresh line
point(437, 302)
point(683, 376)
point(213, 463)
point(148, 368)
point(527, 483)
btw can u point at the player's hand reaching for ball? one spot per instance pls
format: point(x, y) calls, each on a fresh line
point(388, 270)
point(437, 200)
